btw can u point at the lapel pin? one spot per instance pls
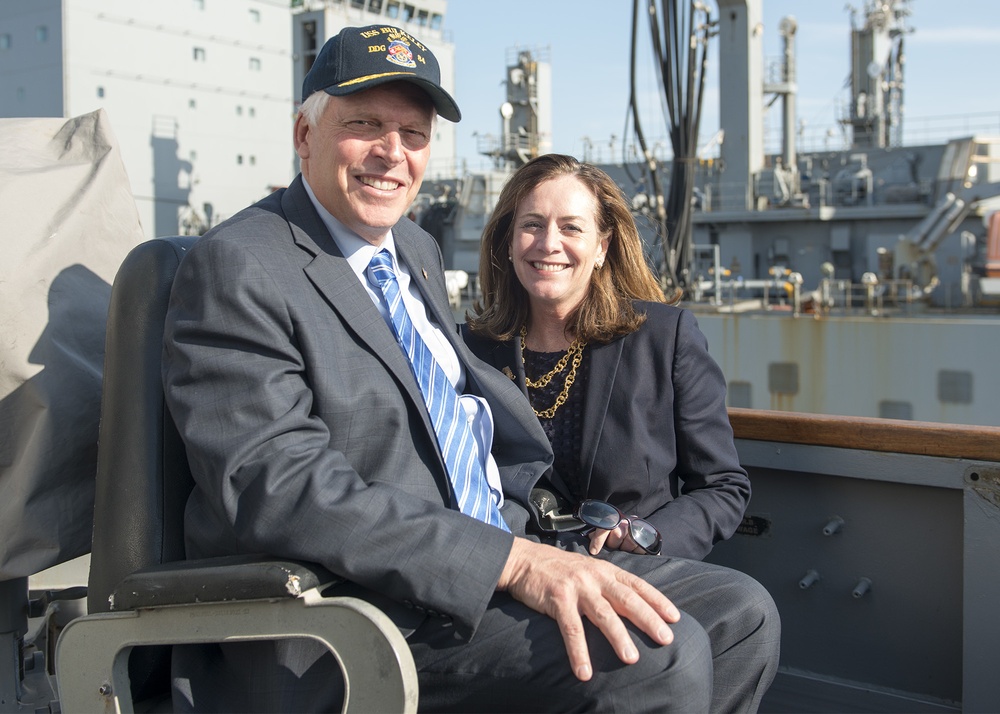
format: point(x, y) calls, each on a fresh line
point(422, 270)
point(509, 373)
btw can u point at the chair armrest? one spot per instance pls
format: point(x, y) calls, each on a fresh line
point(233, 599)
point(252, 577)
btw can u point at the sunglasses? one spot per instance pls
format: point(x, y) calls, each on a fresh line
point(599, 514)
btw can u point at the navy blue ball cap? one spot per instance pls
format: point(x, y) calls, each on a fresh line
point(358, 58)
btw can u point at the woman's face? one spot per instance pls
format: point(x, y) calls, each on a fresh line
point(556, 244)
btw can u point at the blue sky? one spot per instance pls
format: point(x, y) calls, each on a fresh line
point(952, 59)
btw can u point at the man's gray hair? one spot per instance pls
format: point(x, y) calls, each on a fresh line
point(315, 104)
point(313, 107)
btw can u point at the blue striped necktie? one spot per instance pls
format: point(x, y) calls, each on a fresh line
point(451, 424)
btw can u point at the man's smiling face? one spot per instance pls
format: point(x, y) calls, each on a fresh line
point(365, 157)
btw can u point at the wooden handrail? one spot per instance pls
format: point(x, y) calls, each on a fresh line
point(956, 441)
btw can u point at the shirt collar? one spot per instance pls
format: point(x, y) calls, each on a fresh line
point(354, 248)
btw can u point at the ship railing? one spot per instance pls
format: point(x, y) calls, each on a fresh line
point(872, 296)
point(877, 539)
point(782, 291)
point(771, 190)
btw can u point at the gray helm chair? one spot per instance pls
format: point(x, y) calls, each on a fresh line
point(143, 596)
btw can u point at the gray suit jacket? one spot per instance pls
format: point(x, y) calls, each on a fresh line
point(305, 429)
point(657, 440)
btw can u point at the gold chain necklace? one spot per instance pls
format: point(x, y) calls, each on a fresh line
point(575, 352)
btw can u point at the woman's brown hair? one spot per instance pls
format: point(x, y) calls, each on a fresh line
point(607, 310)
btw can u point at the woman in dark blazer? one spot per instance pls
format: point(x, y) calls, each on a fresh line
point(621, 380)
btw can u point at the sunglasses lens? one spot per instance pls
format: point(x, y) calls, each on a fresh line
point(599, 514)
point(645, 534)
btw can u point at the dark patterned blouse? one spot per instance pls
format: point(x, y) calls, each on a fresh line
point(565, 429)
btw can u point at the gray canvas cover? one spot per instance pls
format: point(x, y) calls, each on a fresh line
point(68, 219)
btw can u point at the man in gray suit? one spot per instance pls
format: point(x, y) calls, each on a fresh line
point(309, 437)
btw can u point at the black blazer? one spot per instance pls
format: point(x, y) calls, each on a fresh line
point(657, 441)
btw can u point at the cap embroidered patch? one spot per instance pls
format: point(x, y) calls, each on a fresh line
point(399, 53)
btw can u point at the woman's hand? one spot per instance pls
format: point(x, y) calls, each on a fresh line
point(617, 538)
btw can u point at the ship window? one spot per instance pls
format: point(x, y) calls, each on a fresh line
point(254, 14)
point(436, 20)
point(199, 54)
point(198, 4)
point(392, 9)
point(251, 112)
point(239, 159)
point(192, 104)
point(5, 41)
point(375, 6)
point(253, 160)
point(888, 409)
point(783, 378)
point(422, 18)
point(42, 33)
point(840, 238)
point(738, 395)
point(360, 4)
point(255, 64)
point(239, 110)
point(954, 387)
point(309, 35)
point(100, 92)
point(408, 11)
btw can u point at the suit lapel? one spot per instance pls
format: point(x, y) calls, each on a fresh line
point(604, 361)
point(333, 277)
point(504, 356)
point(510, 361)
point(422, 266)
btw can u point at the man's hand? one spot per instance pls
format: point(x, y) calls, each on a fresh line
point(569, 586)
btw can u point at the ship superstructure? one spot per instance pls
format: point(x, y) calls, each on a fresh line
point(846, 282)
point(201, 94)
point(858, 281)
